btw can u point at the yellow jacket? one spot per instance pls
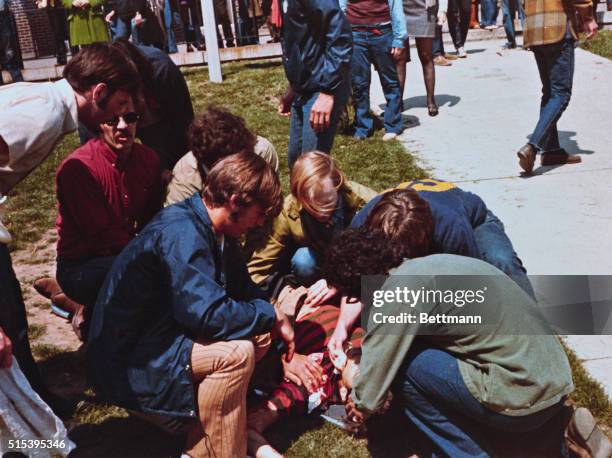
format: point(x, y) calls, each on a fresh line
point(288, 232)
point(546, 20)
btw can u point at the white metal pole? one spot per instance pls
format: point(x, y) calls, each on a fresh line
point(210, 38)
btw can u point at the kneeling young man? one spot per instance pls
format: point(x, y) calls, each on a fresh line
point(170, 332)
point(460, 385)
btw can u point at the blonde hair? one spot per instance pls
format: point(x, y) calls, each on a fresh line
point(315, 182)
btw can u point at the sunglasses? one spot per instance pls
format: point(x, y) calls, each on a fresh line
point(128, 118)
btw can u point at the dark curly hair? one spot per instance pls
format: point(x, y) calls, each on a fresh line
point(357, 252)
point(216, 134)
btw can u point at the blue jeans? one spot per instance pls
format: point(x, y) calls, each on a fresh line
point(556, 67)
point(496, 248)
point(438, 44)
point(81, 281)
point(170, 38)
point(305, 266)
point(434, 396)
point(489, 12)
point(368, 48)
point(302, 138)
point(122, 29)
point(509, 10)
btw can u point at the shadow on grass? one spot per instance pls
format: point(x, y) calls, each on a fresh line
point(127, 436)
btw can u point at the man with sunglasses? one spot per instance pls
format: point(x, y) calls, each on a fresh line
point(107, 191)
point(33, 118)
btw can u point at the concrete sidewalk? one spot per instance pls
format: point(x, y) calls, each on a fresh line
point(560, 219)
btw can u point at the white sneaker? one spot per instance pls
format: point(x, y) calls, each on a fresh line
point(389, 136)
point(461, 53)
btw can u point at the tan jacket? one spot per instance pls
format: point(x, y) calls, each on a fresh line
point(546, 20)
point(186, 178)
point(288, 231)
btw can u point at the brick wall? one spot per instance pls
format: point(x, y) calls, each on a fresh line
point(33, 29)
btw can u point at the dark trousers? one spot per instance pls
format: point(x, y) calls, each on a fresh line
point(458, 21)
point(222, 18)
point(556, 67)
point(57, 20)
point(438, 44)
point(9, 58)
point(14, 322)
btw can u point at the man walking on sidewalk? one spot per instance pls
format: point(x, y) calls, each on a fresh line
point(551, 32)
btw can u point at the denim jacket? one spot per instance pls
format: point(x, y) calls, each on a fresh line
point(171, 285)
point(398, 21)
point(317, 45)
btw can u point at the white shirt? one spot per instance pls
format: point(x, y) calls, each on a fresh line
point(33, 119)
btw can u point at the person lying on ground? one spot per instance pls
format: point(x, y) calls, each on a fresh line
point(107, 191)
point(98, 82)
point(463, 224)
point(171, 332)
point(167, 110)
point(329, 378)
point(213, 135)
point(464, 384)
point(322, 203)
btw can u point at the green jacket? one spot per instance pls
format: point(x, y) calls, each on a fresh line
point(288, 231)
point(86, 24)
point(511, 363)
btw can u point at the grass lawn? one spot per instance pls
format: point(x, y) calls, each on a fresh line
point(601, 44)
point(250, 90)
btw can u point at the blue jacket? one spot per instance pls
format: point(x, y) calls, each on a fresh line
point(456, 213)
point(170, 285)
point(317, 45)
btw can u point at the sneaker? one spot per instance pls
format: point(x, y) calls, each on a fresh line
point(490, 28)
point(441, 61)
point(461, 52)
point(584, 438)
point(389, 136)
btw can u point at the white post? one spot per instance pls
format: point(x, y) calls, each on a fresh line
point(210, 38)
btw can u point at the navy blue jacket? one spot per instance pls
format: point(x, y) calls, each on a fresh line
point(317, 45)
point(170, 285)
point(456, 213)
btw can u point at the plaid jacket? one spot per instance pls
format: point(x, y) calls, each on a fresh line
point(546, 20)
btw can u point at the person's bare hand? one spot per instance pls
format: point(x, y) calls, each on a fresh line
point(284, 104)
point(6, 351)
point(441, 18)
point(337, 339)
point(590, 28)
point(353, 413)
point(396, 53)
point(284, 330)
point(319, 292)
point(109, 17)
point(320, 113)
point(303, 371)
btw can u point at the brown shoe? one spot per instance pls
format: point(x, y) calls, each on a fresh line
point(448, 56)
point(584, 438)
point(47, 287)
point(441, 61)
point(559, 158)
point(527, 155)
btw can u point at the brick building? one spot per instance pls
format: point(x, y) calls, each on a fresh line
point(33, 30)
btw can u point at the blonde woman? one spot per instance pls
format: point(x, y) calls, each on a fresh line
point(322, 202)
